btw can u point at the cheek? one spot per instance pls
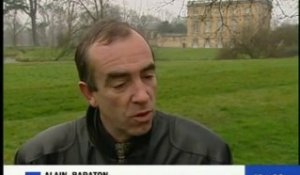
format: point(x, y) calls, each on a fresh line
point(153, 87)
point(112, 100)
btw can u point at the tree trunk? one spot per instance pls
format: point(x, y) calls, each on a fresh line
point(101, 9)
point(14, 34)
point(32, 14)
point(34, 33)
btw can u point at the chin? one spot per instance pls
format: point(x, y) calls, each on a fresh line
point(142, 130)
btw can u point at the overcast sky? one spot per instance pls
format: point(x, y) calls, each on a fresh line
point(165, 9)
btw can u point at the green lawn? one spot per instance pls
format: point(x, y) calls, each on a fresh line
point(49, 54)
point(251, 104)
point(185, 53)
point(26, 54)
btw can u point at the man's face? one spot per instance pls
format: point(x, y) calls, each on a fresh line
point(124, 75)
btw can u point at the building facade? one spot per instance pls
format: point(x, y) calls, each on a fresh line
point(212, 24)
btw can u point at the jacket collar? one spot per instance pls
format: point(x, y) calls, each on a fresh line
point(132, 151)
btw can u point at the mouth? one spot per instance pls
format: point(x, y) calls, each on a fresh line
point(144, 116)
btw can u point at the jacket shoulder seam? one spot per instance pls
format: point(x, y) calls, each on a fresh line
point(175, 145)
point(72, 125)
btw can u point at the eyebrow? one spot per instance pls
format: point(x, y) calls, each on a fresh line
point(123, 74)
point(150, 67)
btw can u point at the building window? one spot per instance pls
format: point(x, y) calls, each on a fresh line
point(194, 10)
point(207, 26)
point(207, 43)
point(248, 10)
point(196, 26)
point(248, 20)
point(220, 23)
point(195, 43)
point(234, 25)
point(219, 39)
point(236, 11)
point(219, 42)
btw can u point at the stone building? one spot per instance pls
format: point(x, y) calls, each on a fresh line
point(214, 24)
point(169, 40)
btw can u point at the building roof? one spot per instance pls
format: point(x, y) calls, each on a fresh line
point(210, 2)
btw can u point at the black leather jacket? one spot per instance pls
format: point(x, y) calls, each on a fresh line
point(172, 140)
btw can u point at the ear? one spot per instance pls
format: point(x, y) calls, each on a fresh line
point(87, 93)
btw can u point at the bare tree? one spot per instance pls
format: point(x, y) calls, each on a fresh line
point(71, 16)
point(10, 11)
point(74, 15)
point(13, 25)
point(31, 11)
point(285, 11)
point(9, 5)
point(93, 8)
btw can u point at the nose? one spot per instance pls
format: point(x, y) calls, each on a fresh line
point(140, 93)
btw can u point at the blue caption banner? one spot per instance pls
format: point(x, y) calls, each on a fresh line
point(272, 170)
point(32, 173)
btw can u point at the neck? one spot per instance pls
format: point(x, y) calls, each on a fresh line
point(117, 135)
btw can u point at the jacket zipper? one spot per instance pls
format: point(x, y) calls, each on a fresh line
point(121, 150)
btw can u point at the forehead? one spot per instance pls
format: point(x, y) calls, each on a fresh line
point(126, 54)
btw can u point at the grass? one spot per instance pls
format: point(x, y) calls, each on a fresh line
point(40, 89)
point(251, 104)
point(184, 53)
point(16, 132)
point(26, 54)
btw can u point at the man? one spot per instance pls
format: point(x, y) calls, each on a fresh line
point(116, 67)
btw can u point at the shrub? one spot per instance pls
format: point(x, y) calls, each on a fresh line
point(262, 43)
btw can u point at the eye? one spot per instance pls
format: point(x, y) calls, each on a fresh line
point(148, 76)
point(119, 86)
point(118, 83)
